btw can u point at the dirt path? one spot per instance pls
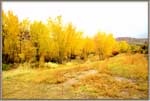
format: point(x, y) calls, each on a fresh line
point(60, 91)
point(65, 86)
point(79, 76)
point(119, 78)
point(84, 74)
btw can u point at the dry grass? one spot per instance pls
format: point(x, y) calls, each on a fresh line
point(132, 71)
point(55, 76)
point(121, 77)
point(131, 66)
point(106, 86)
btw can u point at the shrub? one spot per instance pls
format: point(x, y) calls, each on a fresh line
point(6, 66)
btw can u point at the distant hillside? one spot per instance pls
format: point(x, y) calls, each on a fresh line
point(133, 40)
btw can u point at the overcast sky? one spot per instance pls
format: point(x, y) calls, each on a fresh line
point(123, 19)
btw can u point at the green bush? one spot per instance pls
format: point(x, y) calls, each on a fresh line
point(6, 66)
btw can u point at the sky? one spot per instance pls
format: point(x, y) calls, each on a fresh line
point(122, 19)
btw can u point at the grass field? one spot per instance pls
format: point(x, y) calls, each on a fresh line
point(124, 76)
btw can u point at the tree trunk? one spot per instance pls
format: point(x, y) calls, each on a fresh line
point(60, 58)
